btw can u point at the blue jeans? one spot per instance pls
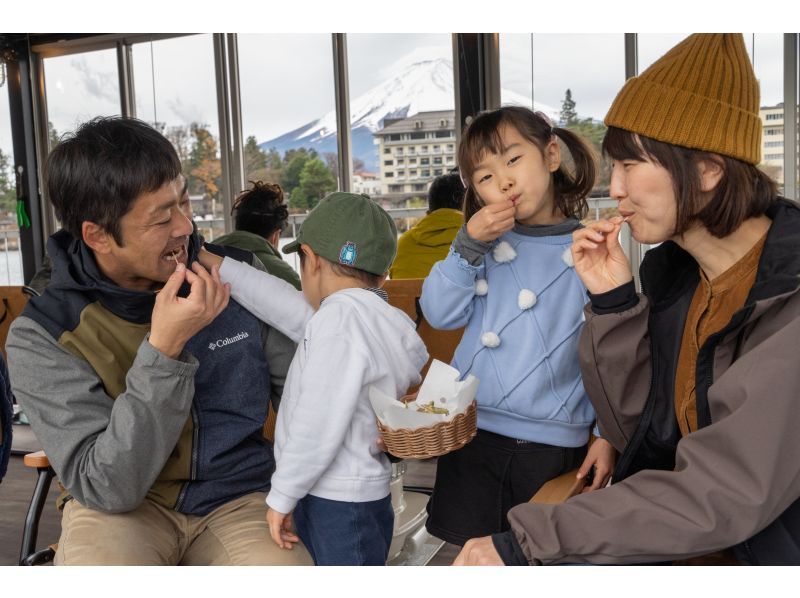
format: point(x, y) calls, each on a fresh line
point(345, 533)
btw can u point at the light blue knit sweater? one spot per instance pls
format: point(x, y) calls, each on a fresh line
point(523, 312)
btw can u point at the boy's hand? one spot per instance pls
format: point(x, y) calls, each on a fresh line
point(598, 256)
point(478, 551)
point(280, 528)
point(603, 456)
point(177, 319)
point(208, 259)
point(491, 221)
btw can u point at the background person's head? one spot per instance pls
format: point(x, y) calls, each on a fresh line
point(116, 183)
point(685, 138)
point(446, 191)
point(261, 210)
point(542, 179)
point(347, 240)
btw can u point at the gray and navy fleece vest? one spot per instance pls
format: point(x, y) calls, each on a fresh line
point(221, 453)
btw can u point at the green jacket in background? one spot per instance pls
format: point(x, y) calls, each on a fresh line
point(426, 243)
point(266, 254)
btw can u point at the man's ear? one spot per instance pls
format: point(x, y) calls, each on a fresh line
point(96, 237)
point(552, 155)
point(382, 279)
point(711, 170)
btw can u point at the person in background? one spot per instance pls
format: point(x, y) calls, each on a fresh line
point(428, 241)
point(260, 215)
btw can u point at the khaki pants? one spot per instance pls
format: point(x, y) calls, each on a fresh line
point(234, 534)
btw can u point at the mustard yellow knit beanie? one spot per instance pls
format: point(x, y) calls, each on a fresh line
point(702, 94)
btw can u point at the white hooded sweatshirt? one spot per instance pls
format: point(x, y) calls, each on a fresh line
point(326, 435)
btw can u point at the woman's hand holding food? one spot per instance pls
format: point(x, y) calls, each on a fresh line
point(598, 256)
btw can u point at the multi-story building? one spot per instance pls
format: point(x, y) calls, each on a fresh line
point(413, 151)
point(772, 140)
point(366, 182)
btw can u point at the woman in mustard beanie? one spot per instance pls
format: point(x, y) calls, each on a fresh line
point(696, 380)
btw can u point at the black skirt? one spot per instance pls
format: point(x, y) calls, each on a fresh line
point(477, 485)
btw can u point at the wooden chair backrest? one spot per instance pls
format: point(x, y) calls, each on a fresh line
point(12, 302)
point(404, 294)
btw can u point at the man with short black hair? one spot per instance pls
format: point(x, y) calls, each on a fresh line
point(129, 367)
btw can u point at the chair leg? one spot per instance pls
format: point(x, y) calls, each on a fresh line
point(31, 531)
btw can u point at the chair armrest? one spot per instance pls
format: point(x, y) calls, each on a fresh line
point(559, 489)
point(36, 460)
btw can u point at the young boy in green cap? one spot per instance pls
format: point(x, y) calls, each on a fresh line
point(331, 477)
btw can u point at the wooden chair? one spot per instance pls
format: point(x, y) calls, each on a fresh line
point(404, 293)
point(559, 489)
point(13, 301)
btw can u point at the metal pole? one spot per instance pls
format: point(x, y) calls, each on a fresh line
point(634, 248)
point(221, 76)
point(790, 81)
point(342, 99)
point(491, 66)
point(127, 97)
point(237, 163)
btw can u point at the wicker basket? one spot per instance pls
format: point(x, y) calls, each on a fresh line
point(432, 441)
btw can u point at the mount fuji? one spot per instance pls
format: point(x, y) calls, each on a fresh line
point(419, 87)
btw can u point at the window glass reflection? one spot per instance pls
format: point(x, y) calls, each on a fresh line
point(288, 114)
point(551, 72)
point(176, 92)
point(402, 113)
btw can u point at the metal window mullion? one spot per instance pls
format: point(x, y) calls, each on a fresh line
point(342, 100)
point(221, 77)
point(41, 131)
point(456, 87)
point(491, 66)
point(790, 140)
point(235, 99)
point(633, 246)
point(127, 96)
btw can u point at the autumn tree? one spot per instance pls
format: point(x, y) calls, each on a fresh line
point(205, 168)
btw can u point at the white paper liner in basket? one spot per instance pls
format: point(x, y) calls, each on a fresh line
point(441, 385)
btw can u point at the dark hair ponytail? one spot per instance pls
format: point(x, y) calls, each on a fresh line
point(571, 189)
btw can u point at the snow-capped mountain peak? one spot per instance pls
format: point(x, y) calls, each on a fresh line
point(422, 86)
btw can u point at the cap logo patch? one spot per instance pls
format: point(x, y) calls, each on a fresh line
point(347, 254)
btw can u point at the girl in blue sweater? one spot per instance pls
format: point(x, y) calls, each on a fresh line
point(510, 280)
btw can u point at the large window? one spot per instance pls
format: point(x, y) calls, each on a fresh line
point(289, 114)
point(10, 258)
point(401, 96)
point(79, 87)
point(573, 78)
point(175, 91)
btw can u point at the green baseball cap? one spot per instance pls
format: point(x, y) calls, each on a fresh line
point(349, 229)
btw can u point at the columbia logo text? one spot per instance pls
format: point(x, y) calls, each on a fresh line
point(224, 342)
